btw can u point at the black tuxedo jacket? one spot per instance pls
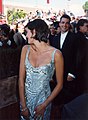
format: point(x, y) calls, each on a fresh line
point(68, 52)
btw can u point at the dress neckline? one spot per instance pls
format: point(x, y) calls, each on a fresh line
point(39, 66)
point(52, 60)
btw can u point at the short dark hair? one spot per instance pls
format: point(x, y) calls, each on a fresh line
point(65, 16)
point(41, 28)
point(81, 22)
point(5, 28)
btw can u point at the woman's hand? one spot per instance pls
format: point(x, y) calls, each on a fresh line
point(26, 114)
point(39, 110)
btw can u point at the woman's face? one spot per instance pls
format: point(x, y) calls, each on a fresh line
point(29, 35)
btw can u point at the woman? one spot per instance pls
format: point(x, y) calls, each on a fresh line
point(37, 65)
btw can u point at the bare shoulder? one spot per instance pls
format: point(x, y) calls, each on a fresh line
point(24, 49)
point(58, 54)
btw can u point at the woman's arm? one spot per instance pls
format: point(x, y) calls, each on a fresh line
point(59, 67)
point(24, 110)
point(22, 78)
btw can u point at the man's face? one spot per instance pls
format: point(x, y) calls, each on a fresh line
point(3, 35)
point(84, 28)
point(64, 25)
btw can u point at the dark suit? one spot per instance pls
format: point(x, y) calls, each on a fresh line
point(82, 63)
point(77, 109)
point(68, 52)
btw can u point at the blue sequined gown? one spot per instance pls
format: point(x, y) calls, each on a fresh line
point(37, 87)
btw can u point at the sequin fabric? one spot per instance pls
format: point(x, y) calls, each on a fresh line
point(37, 87)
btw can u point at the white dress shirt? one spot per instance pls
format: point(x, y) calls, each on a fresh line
point(62, 38)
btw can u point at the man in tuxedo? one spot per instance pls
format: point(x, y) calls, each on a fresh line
point(65, 42)
point(82, 57)
point(78, 107)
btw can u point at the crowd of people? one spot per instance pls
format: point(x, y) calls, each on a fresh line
point(53, 64)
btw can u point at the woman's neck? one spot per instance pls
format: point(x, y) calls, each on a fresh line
point(40, 46)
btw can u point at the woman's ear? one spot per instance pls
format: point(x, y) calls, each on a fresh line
point(34, 33)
